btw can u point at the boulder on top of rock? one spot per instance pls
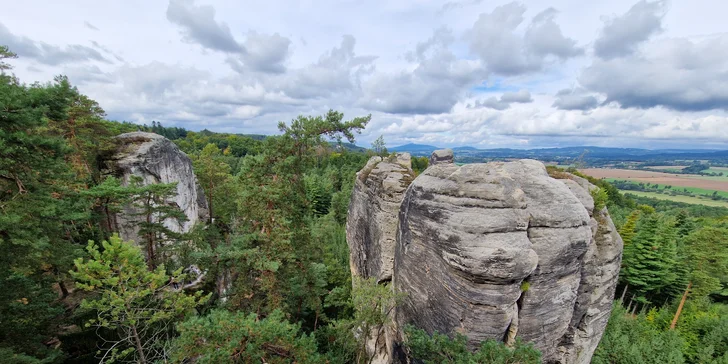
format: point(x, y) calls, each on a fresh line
point(441, 156)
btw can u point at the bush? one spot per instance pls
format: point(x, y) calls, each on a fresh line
point(439, 348)
point(226, 337)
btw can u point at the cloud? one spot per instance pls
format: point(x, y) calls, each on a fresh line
point(607, 125)
point(522, 96)
point(258, 53)
point(622, 34)
point(265, 53)
point(337, 72)
point(544, 37)
point(199, 26)
point(49, 54)
point(87, 74)
point(452, 5)
point(678, 74)
point(505, 101)
point(90, 26)
point(494, 39)
point(435, 84)
point(575, 99)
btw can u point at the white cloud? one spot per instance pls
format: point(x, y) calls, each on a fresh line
point(565, 72)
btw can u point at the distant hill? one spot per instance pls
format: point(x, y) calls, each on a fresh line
point(590, 154)
point(414, 148)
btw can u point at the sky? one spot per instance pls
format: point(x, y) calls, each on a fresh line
point(488, 74)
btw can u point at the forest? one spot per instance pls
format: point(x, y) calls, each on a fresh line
point(72, 291)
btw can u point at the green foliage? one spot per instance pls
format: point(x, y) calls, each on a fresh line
point(373, 306)
point(439, 348)
point(379, 148)
point(138, 304)
point(650, 260)
point(5, 53)
point(419, 164)
point(637, 340)
point(44, 219)
point(226, 337)
point(152, 213)
point(707, 259)
point(213, 174)
point(600, 197)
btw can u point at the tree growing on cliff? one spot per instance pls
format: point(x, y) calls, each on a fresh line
point(378, 146)
point(140, 305)
point(153, 211)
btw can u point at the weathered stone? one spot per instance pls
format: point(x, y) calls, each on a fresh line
point(372, 218)
point(503, 251)
point(441, 156)
point(155, 159)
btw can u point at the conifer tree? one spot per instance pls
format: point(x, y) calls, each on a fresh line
point(153, 211)
point(141, 306)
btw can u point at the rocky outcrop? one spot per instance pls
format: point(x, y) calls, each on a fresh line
point(371, 226)
point(155, 159)
point(441, 156)
point(504, 251)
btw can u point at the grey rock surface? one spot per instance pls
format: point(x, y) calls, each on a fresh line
point(371, 224)
point(504, 251)
point(441, 156)
point(155, 159)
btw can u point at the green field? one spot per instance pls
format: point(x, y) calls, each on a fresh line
point(695, 190)
point(685, 199)
point(723, 178)
point(710, 178)
point(717, 169)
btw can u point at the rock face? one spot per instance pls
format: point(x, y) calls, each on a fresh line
point(503, 251)
point(371, 226)
point(155, 159)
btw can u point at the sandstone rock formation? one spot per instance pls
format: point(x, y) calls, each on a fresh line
point(500, 251)
point(372, 217)
point(441, 156)
point(155, 159)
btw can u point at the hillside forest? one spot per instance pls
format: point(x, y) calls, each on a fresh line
point(71, 291)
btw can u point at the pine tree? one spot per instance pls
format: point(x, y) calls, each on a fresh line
point(153, 212)
point(273, 229)
point(706, 261)
point(140, 305)
point(647, 264)
point(42, 218)
point(214, 176)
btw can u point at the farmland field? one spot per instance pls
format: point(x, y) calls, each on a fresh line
point(675, 180)
point(685, 199)
point(695, 190)
point(676, 168)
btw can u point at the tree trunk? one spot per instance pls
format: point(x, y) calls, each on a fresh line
point(680, 306)
point(138, 345)
point(64, 290)
point(209, 204)
point(624, 292)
